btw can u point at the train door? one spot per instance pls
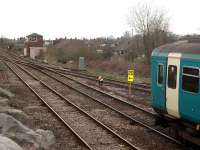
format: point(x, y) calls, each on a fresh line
point(158, 83)
point(172, 86)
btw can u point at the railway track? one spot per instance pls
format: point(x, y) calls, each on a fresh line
point(85, 85)
point(93, 93)
point(99, 136)
point(71, 77)
point(67, 76)
point(137, 86)
point(109, 104)
point(137, 93)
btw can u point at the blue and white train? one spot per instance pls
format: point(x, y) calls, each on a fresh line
point(175, 75)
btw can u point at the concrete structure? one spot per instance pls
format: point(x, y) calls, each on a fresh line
point(99, 51)
point(34, 45)
point(81, 63)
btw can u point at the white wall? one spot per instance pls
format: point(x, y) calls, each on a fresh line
point(25, 52)
point(35, 51)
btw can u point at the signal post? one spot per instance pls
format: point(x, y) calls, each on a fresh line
point(131, 77)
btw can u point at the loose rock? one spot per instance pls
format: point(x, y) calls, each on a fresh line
point(14, 129)
point(3, 102)
point(8, 144)
point(6, 93)
point(17, 114)
point(47, 138)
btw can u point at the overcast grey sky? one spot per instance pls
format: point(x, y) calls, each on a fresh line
point(88, 18)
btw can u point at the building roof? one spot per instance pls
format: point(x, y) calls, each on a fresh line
point(33, 34)
point(181, 47)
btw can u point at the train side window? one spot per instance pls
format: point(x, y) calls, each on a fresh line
point(160, 74)
point(190, 79)
point(172, 75)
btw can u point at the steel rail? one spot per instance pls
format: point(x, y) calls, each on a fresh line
point(95, 89)
point(107, 80)
point(84, 112)
point(112, 108)
point(53, 111)
point(100, 91)
point(137, 86)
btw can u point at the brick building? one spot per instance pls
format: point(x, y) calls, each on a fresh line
point(34, 45)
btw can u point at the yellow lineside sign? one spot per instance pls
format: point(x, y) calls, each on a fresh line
point(131, 75)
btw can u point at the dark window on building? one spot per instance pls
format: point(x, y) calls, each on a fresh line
point(172, 75)
point(160, 74)
point(190, 79)
point(33, 38)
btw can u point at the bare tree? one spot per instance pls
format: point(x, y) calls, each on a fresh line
point(152, 24)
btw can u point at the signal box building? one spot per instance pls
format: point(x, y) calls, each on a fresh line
point(34, 45)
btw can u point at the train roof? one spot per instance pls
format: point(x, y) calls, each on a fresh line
point(180, 47)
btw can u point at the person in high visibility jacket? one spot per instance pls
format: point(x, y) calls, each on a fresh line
point(100, 79)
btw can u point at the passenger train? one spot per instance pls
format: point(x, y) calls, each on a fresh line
point(175, 77)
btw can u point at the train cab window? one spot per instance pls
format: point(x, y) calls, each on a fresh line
point(172, 75)
point(190, 79)
point(160, 74)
